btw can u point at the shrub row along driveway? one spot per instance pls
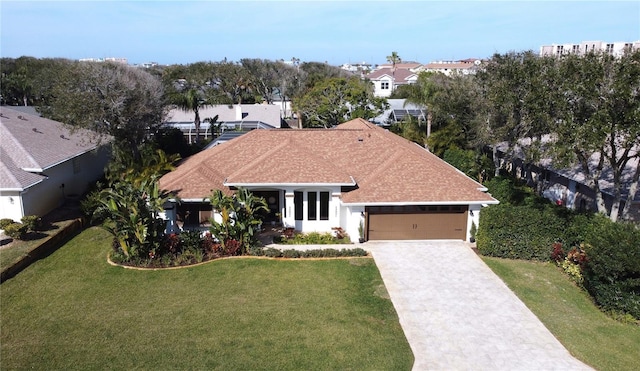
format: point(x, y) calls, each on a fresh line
point(457, 314)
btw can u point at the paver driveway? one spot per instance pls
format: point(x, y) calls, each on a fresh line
point(458, 315)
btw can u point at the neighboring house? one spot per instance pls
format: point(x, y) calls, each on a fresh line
point(399, 110)
point(385, 80)
point(319, 179)
point(231, 117)
point(43, 164)
point(568, 186)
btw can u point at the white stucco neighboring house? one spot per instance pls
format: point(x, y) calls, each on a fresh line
point(238, 117)
point(43, 164)
point(315, 180)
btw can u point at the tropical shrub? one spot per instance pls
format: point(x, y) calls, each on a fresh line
point(16, 230)
point(508, 190)
point(241, 219)
point(612, 269)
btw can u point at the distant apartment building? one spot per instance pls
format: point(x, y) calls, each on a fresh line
point(109, 59)
point(614, 48)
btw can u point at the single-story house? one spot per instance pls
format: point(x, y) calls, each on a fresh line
point(354, 175)
point(43, 164)
point(569, 186)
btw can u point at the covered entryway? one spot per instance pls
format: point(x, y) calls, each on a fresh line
point(417, 222)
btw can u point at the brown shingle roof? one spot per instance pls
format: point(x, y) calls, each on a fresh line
point(399, 75)
point(385, 167)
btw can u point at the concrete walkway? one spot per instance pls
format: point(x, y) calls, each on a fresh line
point(458, 315)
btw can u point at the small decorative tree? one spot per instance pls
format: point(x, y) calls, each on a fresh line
point(472, 232)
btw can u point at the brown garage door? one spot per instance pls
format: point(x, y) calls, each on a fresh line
point(417, 223)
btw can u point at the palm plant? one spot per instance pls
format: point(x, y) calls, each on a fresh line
point(240, 216)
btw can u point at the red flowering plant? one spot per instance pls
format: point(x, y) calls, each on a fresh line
point(557, 254)
point(577, 256)
point(171, 243)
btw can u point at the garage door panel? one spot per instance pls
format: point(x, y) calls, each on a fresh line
point(417, 226)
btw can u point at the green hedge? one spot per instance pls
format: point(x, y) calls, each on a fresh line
point(612, 271)
point(519, 232)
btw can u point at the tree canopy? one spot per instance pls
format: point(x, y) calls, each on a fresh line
point(335, 100)
point(123, 102)
point(574, 110)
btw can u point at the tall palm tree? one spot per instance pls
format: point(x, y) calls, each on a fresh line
point(423, 94)
point(394, 59)
point(190, 100)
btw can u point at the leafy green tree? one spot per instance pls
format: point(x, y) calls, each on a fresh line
point(240, 219)
point(335, 100)
point(113, 100)
point(234, 82)
point(474, 164)
point(600, 120)
point(26, 81)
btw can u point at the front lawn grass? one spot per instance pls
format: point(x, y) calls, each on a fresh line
point(72, 310)
point(569, 313)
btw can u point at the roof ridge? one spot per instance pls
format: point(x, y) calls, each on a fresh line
point(14, 141)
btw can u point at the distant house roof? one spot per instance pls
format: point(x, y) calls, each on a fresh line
point(373, 165)
point(32, 144)
point(401, 65)
point(400, 76)
point(267, 113)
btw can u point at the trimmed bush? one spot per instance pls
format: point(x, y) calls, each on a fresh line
point(16, 230)
point(5, 222)
point(612, 270)
point(32, 222)
point(519, 232)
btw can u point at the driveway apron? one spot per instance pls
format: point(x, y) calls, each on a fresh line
point(458, 315)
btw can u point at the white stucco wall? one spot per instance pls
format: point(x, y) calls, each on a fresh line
point(377, 87)
point(43, 197)
point(11, 205)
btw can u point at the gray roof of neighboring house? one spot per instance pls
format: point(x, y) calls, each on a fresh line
point(576, 172)
point(399, 108)
point(267, 113)
point(31, 144)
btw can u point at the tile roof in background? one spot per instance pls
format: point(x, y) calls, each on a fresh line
point(386, 168)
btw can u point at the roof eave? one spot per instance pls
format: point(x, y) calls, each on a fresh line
point(425, 203)
point(247, 185)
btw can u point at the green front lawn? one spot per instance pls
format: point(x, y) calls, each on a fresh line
point(569, 313)
point(72, 310)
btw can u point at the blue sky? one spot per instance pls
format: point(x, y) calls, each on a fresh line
point(336, 32)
